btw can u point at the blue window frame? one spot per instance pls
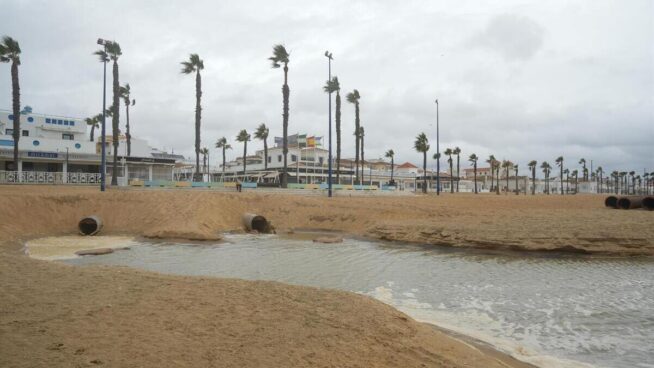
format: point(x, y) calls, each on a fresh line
point(60, 122)
point(78, 146)
point(72, 123)
point(30, 119)
point(36, 143)
point(65, 122)
point(47, 120)
point(10, 117)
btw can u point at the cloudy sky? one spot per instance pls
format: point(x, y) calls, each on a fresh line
point(518, 79)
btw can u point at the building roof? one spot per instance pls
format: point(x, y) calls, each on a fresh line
point(407, 165)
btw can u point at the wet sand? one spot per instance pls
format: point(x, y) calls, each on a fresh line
point(59, 315)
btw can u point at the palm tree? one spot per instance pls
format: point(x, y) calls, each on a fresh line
point(10, 52)
point(391, 154)
point(646, 178)
point(244, 137)
point(473, 160)
point(113, 53)
point(353, 98)
point(125, 94)
point(204, 152)
point(615, 175)
point(363, 161)
point(262, 134)
point(507, 165)
point(93, 122)
point(633, 182)
point(422, 145)
point(331, 87)
point(195, 65)
point(559, 162)
point(449, 152)
point(567, 180)
point(457, 152)
point(584, 170)
point(600, 172)
point(625, 182)
point(281, 57)
point(546, 170)
point(491, 163)
point(222, 143)
point(532, 166)
point(575, 175)
point(515, 167)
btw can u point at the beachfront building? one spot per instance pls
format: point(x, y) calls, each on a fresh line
point(59, 150)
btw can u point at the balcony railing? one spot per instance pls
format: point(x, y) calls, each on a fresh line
point(44, 177)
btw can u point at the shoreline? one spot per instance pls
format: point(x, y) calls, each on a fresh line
point(51, 302)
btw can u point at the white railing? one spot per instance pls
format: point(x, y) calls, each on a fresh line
point(44, 177)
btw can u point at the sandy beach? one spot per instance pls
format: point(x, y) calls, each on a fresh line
point(59, 315)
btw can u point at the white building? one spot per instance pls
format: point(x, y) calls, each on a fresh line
point(57, 149)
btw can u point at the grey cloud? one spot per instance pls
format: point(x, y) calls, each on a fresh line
point(514, 37)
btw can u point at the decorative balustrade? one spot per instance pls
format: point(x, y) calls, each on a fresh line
point(43, 177)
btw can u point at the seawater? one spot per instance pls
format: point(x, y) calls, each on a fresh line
point(549, 310)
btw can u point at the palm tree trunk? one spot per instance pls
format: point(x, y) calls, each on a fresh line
point(127, 135)
point(362, 161)
point(356, 136)
point(92, 132)
point(265, 153)
point(475, 171)
point(561, 177)
point(507, 180)
point(457, 173)
point(224, 164)
point(497, 185)
point(451, 176)
point(392, 168)
point(285, 92)
point(198, 117)
point(245, 161)
point(424, 172)
point(115, 123)
point(533, 181)
point(15, 104)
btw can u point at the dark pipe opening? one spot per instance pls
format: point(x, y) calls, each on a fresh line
point(648, 203)
point(624, 203)
point(611, 201)
point(260, 224)
point(88, 226)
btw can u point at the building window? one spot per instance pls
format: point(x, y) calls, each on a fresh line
point(26, 133)
point(293, 158)
point(78, 146)
point(36, 143)
point(11, 117)
point(65, 122)
point(9, 131)
point(30, 119)
point(320, 160)
point(269, 159)
point(67, 136)
point(47, 120)
point(72, 123)
point(279, 158)
point(60, 122)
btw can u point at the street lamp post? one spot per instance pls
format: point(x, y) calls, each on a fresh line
point(103, 164)
point(438, 156)
point(329, 182)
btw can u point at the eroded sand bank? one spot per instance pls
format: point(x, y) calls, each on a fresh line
point(58, 315)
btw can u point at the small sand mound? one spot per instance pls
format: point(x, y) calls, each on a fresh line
point(328, 239)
